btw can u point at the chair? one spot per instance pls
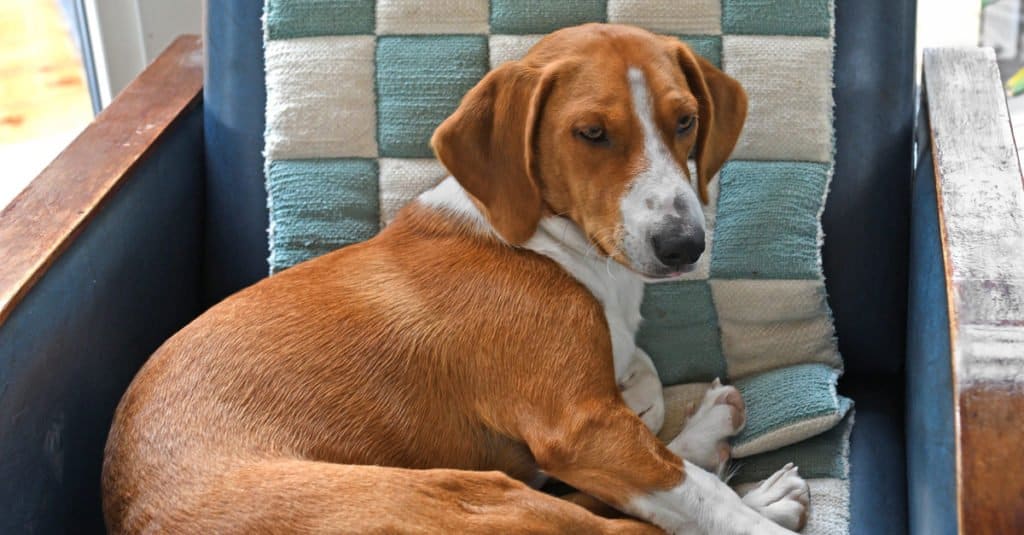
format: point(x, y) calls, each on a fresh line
point(158, 210)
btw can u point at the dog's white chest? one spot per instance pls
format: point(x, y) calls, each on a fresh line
point(619, 290)
point(622, 311)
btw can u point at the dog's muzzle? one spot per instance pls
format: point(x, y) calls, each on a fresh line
point(677, 245)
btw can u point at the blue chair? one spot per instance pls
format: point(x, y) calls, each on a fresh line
point(158, 210)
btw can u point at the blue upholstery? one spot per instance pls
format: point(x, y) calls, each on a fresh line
point(865, 254)
point(878, 482)
point(234, 98)
point(156, 255)
point(866, 219)
point(69, 350)
point(931, 457)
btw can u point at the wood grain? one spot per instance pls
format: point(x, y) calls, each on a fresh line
point(41, 222)
point(981, 215)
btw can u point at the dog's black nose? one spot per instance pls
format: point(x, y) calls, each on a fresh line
point(676, 248)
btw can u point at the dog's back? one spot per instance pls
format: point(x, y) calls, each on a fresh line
point(357, 357)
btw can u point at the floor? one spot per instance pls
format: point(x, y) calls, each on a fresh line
point(44, 100)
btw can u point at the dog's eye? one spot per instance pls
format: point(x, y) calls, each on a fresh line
point(685, 124)
point(593, 134)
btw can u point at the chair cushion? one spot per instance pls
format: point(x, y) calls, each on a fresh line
point(352, 101)
point(865, 468)
point(874, 70)
point(353, 95)
point(824, 462)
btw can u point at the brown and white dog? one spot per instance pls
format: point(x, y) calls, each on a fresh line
point(411, 383)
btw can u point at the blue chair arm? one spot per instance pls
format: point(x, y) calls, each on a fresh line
point(102, 262)
point(965, 362)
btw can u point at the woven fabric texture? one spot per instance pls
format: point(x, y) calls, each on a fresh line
point(355, 88)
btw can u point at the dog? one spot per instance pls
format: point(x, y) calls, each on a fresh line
point(484, 340)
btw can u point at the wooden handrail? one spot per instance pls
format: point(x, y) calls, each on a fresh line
point(981, 221)
point(44, 219)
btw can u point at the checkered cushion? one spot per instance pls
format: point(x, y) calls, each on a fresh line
point(356, 87)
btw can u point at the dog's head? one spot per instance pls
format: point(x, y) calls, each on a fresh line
point(596, 124)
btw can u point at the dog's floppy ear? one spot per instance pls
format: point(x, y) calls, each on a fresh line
point(488, 146)
point(722, 108)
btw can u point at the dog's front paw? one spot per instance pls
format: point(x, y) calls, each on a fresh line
point(641, 390)
point(783, 498)
point(704, 440)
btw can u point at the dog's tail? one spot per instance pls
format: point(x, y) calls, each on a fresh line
point(295, 495)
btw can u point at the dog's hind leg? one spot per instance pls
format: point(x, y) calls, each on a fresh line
point(294, 495)
point(603, 449)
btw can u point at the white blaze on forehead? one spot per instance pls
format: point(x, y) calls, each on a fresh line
point(659, 182)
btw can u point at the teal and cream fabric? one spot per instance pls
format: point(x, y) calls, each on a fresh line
point(356, 87)
point(824, 460)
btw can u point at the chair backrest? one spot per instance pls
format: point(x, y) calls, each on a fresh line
point(865, 255)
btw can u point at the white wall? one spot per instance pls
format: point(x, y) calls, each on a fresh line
point(947, 23)
point(126, 35)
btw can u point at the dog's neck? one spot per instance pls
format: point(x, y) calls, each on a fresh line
point(618, 289)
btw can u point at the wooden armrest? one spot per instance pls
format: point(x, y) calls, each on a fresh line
point(981, 221)
point(42, 221)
